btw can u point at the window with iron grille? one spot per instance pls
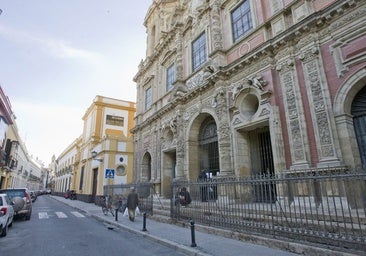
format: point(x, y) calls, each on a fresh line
point(199, 52)
point(358, 111)
point(148, 98)
point(115, 120)
point(241, 20)
point(81, 178)
point(209, 149)
point(170, 76)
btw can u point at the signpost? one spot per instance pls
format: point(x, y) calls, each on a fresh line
point(109, 173)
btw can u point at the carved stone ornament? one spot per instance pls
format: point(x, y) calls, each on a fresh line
point(256, 82)
point(219, 93)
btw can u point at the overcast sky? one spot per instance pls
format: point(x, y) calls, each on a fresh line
point(57, 55)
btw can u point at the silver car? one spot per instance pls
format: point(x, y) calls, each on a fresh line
point(21, 200)
point(6, 214)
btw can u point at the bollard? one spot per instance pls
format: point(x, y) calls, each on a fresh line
point(116, 215)
point(144, 222)
point(193, 235)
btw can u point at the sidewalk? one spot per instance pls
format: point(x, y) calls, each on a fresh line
point(180, 238)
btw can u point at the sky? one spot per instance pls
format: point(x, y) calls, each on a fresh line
point(56, 56)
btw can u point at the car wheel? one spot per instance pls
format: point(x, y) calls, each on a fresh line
point(28, 217)
point(4, 231)
point(11, 224)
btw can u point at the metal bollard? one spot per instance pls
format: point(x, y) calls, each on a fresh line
point(144, 222)
point(116, 214)
point(193, 235)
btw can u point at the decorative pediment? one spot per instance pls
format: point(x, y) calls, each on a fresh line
point(148, 79)
point(237, 121)
point(168, 56)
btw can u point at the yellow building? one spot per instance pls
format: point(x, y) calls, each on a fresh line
point(103, 155)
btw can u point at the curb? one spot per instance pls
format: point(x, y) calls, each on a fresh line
point(168, 243)
point(289, 246)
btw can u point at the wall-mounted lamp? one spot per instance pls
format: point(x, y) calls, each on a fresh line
point(94, 154)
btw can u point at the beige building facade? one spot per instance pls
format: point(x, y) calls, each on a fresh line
point(250, 87)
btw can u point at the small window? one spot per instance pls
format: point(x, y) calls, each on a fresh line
point(199, 52)
point(170, 77)
point(241, 20)
point(115, 120)
point(148, 98)
point(81, 178)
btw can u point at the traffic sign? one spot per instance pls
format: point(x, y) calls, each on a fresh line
point(109, 173)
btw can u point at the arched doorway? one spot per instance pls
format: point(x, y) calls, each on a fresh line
point(209, 155)
point(358, 110)
point(146, 168)
point(209, 149)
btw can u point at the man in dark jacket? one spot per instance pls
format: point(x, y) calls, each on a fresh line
point(184, 197)
point(132, 202)
point(202, 177)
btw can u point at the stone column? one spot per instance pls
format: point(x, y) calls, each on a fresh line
point(318, 94)
point(294, 116)
point(216, 28)
point(223, 129)
point(180, 152)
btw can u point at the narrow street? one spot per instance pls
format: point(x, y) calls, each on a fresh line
point(57, 229)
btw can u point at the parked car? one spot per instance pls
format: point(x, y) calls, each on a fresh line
point(33, 196)
point(22, 202)
point(6, 214)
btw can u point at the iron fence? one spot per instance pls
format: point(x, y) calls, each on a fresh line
point(321, 205)
point(118, 194)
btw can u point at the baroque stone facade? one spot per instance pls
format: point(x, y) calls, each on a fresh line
point(256, 88)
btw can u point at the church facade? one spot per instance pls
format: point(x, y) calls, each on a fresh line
point(239, 88)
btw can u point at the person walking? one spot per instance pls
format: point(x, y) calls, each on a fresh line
point(132, 203)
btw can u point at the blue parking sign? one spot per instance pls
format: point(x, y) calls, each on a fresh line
point(109, 173)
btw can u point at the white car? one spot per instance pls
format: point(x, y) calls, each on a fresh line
point(6, 214)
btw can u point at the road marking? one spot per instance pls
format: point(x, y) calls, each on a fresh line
point(61, 215)
point(43, 215)
point(78, 214)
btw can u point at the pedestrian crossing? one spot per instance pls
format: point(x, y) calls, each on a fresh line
point(59, 215)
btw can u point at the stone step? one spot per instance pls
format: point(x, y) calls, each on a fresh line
point(161, 204)
point(161, 218)
point(162, 212)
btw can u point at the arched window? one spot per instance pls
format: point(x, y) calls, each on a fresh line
point(358, 111)
point(146, 167)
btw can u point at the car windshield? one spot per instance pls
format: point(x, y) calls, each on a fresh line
point(15, 193)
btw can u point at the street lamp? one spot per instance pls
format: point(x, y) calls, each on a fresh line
point(94, 155)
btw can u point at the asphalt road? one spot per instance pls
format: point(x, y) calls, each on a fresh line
point(57, 229)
